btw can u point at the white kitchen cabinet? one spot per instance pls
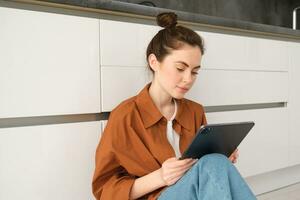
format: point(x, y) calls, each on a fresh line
point(212, 87)
point(231, 87)
point(266, 147)
point(48, 162)
point(294, 104)
point(49, 64)
point(224, 51)
point(267, 54)
point(124, 43)
point(120, 83)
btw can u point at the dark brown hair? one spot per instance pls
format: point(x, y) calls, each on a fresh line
point(173, 36)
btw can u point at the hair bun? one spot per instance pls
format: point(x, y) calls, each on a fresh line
point(167, 19)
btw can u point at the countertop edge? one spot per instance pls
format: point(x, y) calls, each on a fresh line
point(145, 12)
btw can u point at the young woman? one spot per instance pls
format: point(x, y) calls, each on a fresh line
point(146, 134)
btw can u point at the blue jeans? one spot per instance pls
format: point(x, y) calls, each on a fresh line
point(213, 177)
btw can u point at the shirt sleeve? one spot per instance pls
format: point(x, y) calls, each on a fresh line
point(200, 116)
point(204, 121)
point(111, 180)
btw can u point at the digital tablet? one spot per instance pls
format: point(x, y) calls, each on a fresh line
point(217, 138)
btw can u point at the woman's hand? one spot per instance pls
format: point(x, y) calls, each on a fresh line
point(173, 169)
point(234, 156)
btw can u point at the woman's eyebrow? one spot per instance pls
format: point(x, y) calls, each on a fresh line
point(181, 62)
point(184, 63)
point(197, 67)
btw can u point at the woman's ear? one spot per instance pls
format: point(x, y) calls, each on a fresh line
point(153, 62)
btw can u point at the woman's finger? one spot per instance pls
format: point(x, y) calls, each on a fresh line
point(182, 168)
point(179, 163)
point(178, 175)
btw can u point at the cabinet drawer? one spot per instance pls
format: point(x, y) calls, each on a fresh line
point(120, 83)
point(124, 43)
point(227, 87)
point(244, 53)
point(49, 64)
point(266, 146)
point(57, 160)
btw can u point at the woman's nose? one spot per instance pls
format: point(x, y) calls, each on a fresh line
point(187, 77)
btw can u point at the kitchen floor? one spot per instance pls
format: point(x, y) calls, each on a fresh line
point(288, 193)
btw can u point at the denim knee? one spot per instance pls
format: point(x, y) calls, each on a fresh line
point(214, 160)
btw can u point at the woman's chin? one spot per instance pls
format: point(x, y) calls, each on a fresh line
point(178, 96)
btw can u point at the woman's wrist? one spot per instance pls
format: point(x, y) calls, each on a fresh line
point(160, 181)
point(146, 184)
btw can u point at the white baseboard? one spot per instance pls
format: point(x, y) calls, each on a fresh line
point(274, 180)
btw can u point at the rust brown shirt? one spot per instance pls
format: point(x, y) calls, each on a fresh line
point(134, 143)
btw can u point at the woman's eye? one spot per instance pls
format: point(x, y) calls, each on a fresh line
point(180, 69)
point(194, 73)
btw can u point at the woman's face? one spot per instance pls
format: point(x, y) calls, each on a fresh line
point(178, 71)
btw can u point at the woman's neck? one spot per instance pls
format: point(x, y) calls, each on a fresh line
point(162, 100)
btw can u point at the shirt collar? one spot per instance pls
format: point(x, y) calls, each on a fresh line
point(151, 115)
point(184, 114)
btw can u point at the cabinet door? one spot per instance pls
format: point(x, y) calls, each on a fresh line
point(49, 64)
point(224, 51)
point(229, 87)
point(266, 146)
point(48, 162)
point(294, 104)
point(124, 44)
point(236, 52)
point(267, 54)
point(212, 87)
point(120, 83)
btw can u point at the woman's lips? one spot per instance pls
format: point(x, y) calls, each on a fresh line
point(182, 89)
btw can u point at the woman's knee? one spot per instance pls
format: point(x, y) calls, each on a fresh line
point(214, 160)
point(215, 156)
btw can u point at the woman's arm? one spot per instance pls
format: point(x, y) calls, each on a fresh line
point(146, 184)
point(170, 172)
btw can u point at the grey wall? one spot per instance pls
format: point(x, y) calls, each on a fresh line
point(272, 12)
